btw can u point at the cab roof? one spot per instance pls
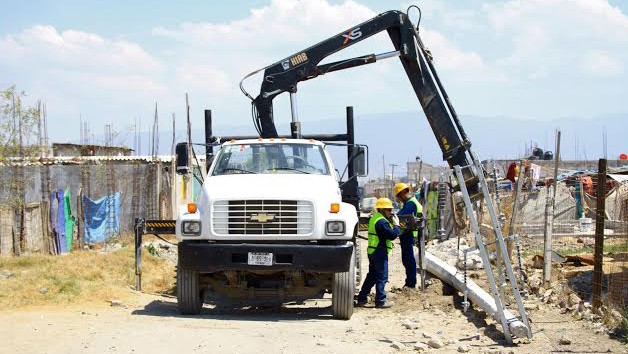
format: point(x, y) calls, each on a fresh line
point(274, 140)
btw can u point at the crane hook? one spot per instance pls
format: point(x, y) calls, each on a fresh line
point(420, 15)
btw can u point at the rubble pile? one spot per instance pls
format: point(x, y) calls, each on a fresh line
point(449, 252)
point(161, 249)
point(561, 296)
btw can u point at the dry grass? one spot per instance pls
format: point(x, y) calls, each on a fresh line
point(80, 277)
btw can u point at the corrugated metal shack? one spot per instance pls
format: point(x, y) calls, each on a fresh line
point(147, 185)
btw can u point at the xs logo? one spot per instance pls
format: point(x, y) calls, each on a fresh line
point(352, 35)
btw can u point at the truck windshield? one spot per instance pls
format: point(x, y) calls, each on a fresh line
point(264, 158)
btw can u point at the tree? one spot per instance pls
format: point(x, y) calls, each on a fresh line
point(17, 124)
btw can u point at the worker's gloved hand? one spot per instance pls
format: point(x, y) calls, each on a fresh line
point(395, 220)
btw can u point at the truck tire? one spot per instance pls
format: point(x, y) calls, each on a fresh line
point(342, 292)
point(189, 299)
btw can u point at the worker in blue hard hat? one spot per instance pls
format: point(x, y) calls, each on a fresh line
point(383, 229)
point(408, 238)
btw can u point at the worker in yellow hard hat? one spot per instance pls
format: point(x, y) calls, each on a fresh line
point(383, 229)
point(408, 238)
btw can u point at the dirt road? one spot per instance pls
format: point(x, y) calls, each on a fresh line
point(150, 324)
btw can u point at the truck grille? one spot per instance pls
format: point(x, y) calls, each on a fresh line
point(263, 217)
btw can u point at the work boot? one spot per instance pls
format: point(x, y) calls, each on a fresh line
point(384, 305)
point(360, 303)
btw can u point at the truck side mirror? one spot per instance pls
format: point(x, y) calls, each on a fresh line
point(182, 158)
point(360, 160)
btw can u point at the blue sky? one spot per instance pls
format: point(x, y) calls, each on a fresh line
point(110, 61)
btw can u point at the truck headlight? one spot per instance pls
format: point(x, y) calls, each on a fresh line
point(335, 227)
point(190, 228)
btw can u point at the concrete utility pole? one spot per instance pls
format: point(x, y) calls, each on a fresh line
point(392, 180)
point(549, 218)
point(392, 173)
point(420, 161)
point(384, 167)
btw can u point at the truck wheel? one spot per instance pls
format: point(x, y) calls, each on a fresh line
point(189, 299)
point(342, 291)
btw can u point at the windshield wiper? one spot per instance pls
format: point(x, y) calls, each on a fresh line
point(235, 169)
point(287, 169)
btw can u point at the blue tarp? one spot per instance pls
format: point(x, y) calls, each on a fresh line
point(101, 218)
point(57, 218)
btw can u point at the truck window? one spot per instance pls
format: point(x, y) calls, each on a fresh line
point(264, 158)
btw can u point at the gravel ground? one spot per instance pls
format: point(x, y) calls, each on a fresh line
point(420, 321)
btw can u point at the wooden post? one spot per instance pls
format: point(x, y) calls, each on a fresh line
point(173, 188)
point(158, 188)
point(515, 202)
point(599, 235)
point(80, 223)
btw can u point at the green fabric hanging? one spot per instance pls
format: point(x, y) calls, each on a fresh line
point(69, 218)
point(432, 214)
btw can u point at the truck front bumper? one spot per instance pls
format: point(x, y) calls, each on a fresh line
point(212, 257)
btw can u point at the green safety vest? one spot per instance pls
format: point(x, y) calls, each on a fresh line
point(419, 210)
point(373, 238)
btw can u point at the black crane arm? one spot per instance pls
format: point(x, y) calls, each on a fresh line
point(284, 75)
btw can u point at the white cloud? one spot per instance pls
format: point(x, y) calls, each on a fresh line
point(454, 60)
point(480, 51)
point(75, 51)
point(203, 77)
point(282, 22)
point(81, 73)
point(601, 64)
point(560, 37)
point(227, 51)
point(79, 66)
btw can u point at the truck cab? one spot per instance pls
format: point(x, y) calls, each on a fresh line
point(269, 226)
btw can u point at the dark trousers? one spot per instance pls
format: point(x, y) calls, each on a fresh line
point(377, 276)
point(407, 258)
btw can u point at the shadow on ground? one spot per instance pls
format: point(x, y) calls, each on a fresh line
point(290, 312)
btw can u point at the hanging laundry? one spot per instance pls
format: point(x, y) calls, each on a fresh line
point(101, 218)
point(57, 219)
point(69, 219)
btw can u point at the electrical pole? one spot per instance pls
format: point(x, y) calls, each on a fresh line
point(392, 179)
point(392, 173)
point(420, 161)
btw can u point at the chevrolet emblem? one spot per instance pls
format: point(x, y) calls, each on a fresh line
point(263, 217)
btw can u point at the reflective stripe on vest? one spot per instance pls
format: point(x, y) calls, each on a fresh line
point(419, 210)
point(373, 238)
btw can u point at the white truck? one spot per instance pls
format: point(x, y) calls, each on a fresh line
point(271, 221)
point(270, 226)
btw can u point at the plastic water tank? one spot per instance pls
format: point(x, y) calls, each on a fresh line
point(538, 153)
point(548, 155)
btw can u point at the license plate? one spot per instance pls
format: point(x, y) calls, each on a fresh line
point(260, 258)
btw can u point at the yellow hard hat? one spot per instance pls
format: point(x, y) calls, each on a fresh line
point(383, 203)
point(399, 187)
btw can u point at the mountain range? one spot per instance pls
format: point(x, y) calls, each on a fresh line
point(402, 136)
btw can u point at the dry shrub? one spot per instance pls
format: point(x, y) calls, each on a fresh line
point(79, 277)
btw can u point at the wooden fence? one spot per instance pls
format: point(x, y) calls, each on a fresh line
point(36, 236)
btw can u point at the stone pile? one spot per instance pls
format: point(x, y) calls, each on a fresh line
point(564, 298)
point(453, 255)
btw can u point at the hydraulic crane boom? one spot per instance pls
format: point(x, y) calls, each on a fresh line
point(284, 75)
